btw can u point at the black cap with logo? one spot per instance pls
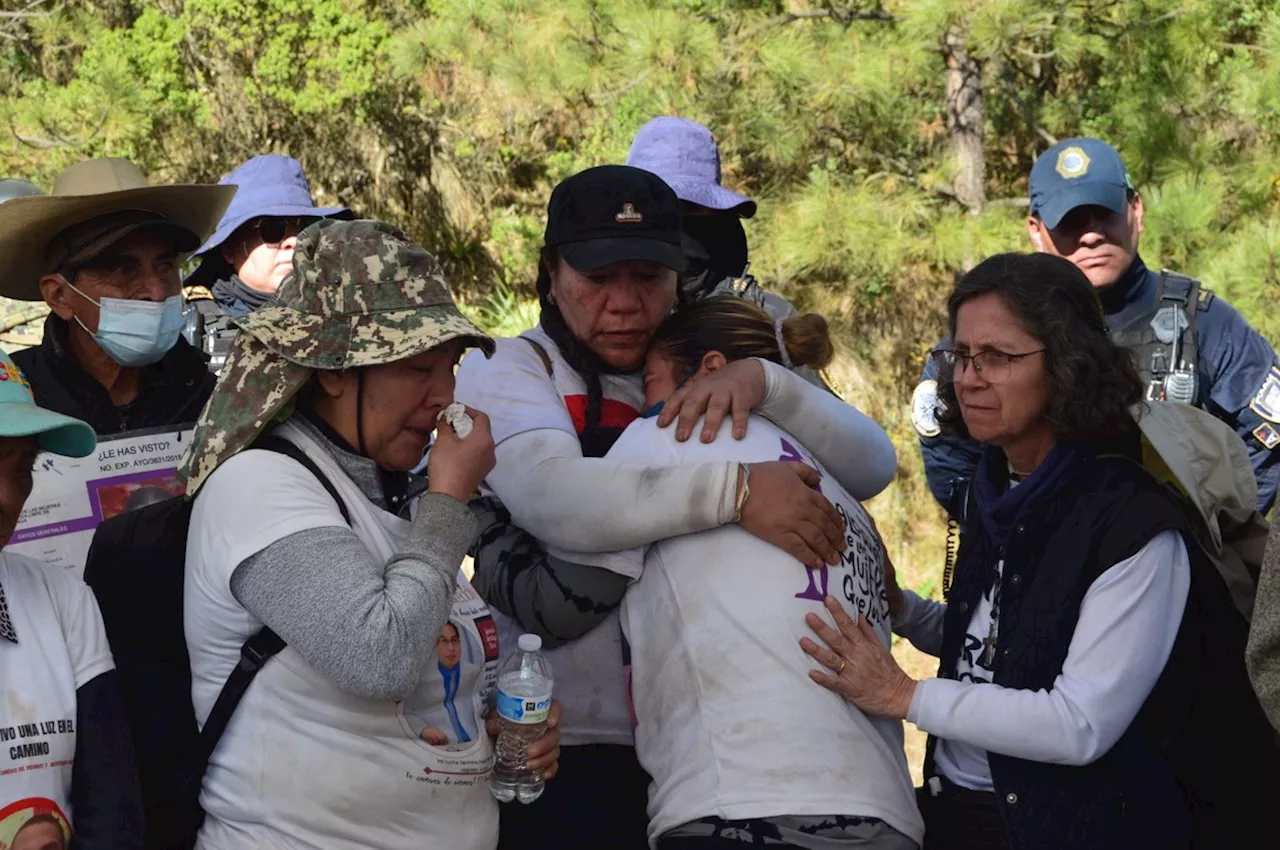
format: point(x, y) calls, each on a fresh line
point(613, 213)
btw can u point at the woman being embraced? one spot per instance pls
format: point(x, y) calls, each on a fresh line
point(1091, 689)
point(739, 745)
point(558, 397)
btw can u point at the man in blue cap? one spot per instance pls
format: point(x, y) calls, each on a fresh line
point(245, 260)
point(685, 155)
point(1191, 346)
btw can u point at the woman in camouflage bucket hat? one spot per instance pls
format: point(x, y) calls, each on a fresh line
point(353, 364)
point(361, 294)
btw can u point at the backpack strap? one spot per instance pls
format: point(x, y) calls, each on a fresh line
point(542, 354)
point(1178, 287)
point(259, 649)
point(254, 655)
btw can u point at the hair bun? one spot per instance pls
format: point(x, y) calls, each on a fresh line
point(808, 340)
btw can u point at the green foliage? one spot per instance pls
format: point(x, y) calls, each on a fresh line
point(503, 312)
point(454, 118)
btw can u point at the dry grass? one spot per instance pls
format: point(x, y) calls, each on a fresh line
point(910, 521)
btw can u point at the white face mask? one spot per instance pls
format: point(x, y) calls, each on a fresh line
point(132, 332)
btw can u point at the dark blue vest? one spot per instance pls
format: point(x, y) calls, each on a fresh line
point(1166, 777)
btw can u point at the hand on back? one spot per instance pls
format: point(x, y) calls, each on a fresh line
point(785, 509)
point(732, 391)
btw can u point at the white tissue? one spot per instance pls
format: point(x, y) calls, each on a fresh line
point(456, 415)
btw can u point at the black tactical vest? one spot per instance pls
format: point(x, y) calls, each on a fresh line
point(209, 330)
point(1163, 339)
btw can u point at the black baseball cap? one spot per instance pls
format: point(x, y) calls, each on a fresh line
point(613, 213)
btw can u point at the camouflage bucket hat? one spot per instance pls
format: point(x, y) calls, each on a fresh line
point(360, 294)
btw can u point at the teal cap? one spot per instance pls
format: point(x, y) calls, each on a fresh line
point(20, 417)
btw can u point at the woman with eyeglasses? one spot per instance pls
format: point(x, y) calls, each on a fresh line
point(244, 262)
point(1091, 690)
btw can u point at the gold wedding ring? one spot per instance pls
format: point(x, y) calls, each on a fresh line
point(840, 669)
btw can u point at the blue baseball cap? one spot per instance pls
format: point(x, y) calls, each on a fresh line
point(684, 154)
point(268, 185)
point(1079, 172)
point(20, 417)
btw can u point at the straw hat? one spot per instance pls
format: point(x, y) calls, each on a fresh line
point(88, 191)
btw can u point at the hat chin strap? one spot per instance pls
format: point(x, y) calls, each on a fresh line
point(360, 413)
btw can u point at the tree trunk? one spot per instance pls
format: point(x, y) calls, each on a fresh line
point(964, 120)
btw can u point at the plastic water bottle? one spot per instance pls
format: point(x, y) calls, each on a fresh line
point(524, 700)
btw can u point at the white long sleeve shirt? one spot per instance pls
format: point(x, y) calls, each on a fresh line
point(1128, 622)
point(602, 505)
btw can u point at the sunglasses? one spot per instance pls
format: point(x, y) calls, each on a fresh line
point(275, 229)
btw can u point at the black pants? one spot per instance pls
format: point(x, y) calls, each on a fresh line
point(960, 819)
point(709, 842)
point(595, 802)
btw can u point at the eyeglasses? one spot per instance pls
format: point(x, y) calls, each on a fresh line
point(275, 229)
point(993, 365)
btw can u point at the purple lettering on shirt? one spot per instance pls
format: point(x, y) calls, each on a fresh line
point(812, 592)
point(791, 453)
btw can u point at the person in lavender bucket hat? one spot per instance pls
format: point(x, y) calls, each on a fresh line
point(685, 155)
point(243, 263)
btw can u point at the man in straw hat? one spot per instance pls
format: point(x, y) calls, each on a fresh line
point(103, 251)
point(353, 363)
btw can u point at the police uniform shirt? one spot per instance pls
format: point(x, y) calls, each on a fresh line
point(1237, 370)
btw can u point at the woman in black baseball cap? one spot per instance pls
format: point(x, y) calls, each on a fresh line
point(609, 269)
point(558, 397)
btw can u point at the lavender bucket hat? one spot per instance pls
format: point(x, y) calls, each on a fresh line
point(269, 185)
point(684, 154)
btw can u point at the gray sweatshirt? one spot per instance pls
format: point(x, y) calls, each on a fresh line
point(364, 624)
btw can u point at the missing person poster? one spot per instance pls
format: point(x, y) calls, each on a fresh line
point(71, 496)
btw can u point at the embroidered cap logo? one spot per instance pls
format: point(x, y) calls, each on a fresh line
point(1073, 162)
point(10, 372)
point(628, 215)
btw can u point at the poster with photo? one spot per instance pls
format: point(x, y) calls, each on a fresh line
point(71, 496)
point(34, 823)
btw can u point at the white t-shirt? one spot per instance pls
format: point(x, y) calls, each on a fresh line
point(962, 763)
point(514, 390)
point(729, 723)
point(304, 764)
point(61, 646)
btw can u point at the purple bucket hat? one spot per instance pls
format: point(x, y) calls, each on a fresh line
point(684, 154)
point(269, 185)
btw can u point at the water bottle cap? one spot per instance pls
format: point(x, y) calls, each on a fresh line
point(529, 643)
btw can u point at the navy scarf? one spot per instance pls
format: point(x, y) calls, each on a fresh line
point(1002, 507)
point(237, 298)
